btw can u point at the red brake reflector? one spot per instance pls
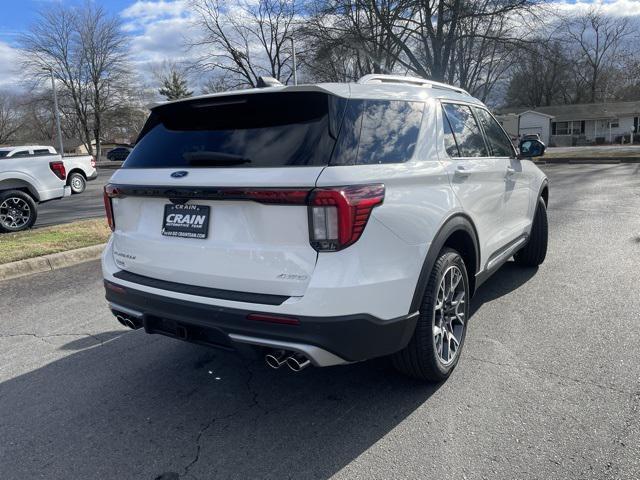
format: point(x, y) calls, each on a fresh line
point(261, 317)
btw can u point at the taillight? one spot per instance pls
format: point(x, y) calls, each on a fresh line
point(110, 192)
point(58, 169)
point(93, 162)
point(338, 215)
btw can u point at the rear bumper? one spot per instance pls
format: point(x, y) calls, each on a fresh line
point(331, 340)
point(93, 175)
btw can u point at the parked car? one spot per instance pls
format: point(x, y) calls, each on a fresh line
point(118, 154)
point(80, 168)
point(531, 136)
point(324, 224)
point(29, 175)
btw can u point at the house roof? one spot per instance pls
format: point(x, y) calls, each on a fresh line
point(585, 111)
point(537, 112)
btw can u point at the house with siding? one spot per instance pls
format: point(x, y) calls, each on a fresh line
point(581, 124)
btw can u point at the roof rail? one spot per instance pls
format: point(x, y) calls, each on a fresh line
point(417, 81)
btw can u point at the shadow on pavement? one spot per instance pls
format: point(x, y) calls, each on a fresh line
point(508, 278)
point(142, 406)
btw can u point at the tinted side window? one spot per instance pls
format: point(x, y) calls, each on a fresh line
point(389, 131)
point(499, 143)
point(378, 131)
point(465, 131)
point(450, 144)
point(21, 153)
point(42, 152)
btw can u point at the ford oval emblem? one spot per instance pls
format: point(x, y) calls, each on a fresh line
point(179, 174)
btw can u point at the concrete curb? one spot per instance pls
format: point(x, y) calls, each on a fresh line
point(50, 262)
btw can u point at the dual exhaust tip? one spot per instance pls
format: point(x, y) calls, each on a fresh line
point(275, 359)
point(295, 361)
point(127, 321)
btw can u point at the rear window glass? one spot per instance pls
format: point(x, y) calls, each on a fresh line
point(255, 130)
point(378, 131)
point(4, 153)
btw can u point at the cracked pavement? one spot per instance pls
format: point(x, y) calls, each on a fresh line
point(548, 385)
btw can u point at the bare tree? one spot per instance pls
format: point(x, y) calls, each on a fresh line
point(543, 78)
point(597, 39)
point(10, 120)
point(247, 39)
point(346, 40)
point(104, 48)
point(429, 31)
point(86, 51)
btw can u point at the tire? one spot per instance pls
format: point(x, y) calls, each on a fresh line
point(424, 357)
point(77, 182)
point(535, 251)
point(18, 211)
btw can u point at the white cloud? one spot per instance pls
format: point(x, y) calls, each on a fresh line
point(10, 61)
point(158, 30)
point(149, 10)
point(616, 8)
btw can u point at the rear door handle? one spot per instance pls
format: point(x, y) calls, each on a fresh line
point(463, 172)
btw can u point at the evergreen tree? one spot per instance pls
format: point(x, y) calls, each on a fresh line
point(174, 86)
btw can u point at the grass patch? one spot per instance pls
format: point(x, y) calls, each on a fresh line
point(59, 238)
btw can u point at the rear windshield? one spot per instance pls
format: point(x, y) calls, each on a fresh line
point(255, 130)
point(276, 130)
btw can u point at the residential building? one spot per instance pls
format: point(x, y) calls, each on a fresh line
point(581, 124)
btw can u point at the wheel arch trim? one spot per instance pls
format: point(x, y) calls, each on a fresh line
point(454, 223)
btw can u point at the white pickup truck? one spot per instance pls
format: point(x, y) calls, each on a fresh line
point(35, 174)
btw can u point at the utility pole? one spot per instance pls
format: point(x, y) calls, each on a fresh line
point(55, 110)
point(293, 55)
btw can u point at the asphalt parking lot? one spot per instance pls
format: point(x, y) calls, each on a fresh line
point(548, 385)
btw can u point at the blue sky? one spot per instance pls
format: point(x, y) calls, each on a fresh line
point(157, 27)
point(18, 14)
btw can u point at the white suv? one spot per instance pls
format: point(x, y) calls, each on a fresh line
point(324, 224)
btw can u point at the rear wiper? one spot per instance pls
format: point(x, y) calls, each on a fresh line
point(205, 158)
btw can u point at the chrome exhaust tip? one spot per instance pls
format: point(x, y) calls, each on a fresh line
point(276, 359)
point(127, 322)
point(298, 362)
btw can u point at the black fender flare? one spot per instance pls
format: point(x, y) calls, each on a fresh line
point(456, 222)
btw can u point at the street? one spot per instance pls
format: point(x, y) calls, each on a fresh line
point(87, 204)
point(548, 385)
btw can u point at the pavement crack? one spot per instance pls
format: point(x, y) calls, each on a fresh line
point(541, 371)
point(252, 403)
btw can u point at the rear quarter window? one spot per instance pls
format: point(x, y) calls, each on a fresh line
point(378, 131)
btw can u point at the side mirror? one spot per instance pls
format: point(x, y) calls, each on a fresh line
point(531, 148)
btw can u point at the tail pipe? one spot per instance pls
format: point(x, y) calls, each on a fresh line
point(295, 361)
point(129, 321)
point(298, 362)
point(276, 359)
